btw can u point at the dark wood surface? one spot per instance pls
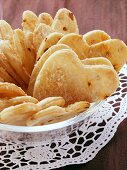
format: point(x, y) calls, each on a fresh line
point(108, 15)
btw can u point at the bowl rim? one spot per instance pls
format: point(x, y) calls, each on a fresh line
point(54, 126)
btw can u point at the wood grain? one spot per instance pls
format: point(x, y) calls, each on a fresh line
point(108, 15)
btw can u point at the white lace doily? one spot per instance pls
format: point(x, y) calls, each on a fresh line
point(79, 147)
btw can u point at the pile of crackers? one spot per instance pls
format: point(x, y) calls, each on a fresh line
point(50, 73)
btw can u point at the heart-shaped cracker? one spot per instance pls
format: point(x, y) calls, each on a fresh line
point(24, 54)
point(41, 31)
point(6, 32)
point(8, 90)
point(51, 101)
point(50, 40)
point(113, 49)
point(63, 74)
point(18, 115)
point(45, 18)
point(76, 42)
point(97, 61)
point(40, 63)
point(29, 21)
point(54, 114)
point(28, 41)
point(6, 65)
point(4, 103)
point(14, 61)
point(5, 76)
point(95, 36)
point(65, 22)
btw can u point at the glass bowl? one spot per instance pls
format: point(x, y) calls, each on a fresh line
point(39, 133)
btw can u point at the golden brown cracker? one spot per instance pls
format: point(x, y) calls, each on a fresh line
point(29, 20)
point(63, 74)
point(41, 31)
point(77, 44)
point(95, 36)
point(9, 90)
point(49, 41)
point(18, 115)
point(40, 63)
point(65, 22)
point(114, 50)
point(45, 18)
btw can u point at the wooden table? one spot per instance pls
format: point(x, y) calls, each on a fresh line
point(110, 16)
